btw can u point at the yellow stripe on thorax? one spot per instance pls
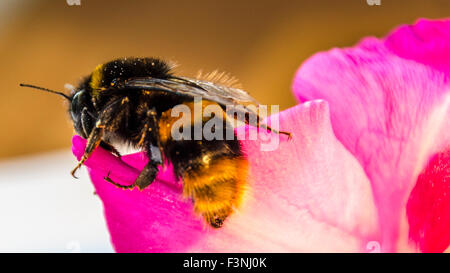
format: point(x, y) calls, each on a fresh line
point(96, 79)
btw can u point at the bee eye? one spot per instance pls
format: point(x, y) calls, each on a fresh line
point(78, 102)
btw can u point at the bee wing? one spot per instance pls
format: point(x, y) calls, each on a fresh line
point(233, 99)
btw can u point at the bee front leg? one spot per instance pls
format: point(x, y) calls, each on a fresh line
point(86, 122)
point(95, 137)
point(107, 117)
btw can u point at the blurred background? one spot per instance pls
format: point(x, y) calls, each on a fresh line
point(51, 43)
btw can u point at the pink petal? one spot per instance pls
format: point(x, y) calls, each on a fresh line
point(390, 112)
point(426, 41)
point(428, 206)
point(310, 194)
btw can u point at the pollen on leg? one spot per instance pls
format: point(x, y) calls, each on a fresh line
point(428, 207)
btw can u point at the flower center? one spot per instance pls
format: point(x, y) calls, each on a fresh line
point(428, 207)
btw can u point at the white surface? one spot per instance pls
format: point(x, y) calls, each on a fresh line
point(44, 209)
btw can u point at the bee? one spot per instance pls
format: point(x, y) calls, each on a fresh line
point(129, 100)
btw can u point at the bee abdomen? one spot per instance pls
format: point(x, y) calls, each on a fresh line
point(216, 187)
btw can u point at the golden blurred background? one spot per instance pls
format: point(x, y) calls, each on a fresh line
point(262, 43)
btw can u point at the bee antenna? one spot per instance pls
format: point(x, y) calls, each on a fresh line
point(47, 90)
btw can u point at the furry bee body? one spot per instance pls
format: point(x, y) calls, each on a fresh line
point(213, 171)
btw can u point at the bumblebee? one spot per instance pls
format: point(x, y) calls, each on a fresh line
point(130, 100)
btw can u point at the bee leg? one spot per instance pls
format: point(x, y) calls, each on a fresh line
point(86, 122)
point(107, 178)
point(264, 126)
point(147, 175)
point(157, 152)
point(109, 117)
point(93, 141)
point(268, 128)
point(107, 146)
point(145, 178)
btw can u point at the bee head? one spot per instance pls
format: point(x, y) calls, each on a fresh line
point(81, 112)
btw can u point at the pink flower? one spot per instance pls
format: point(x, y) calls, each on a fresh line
point(390, 107)
point(343, 182)
point(304, 196)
